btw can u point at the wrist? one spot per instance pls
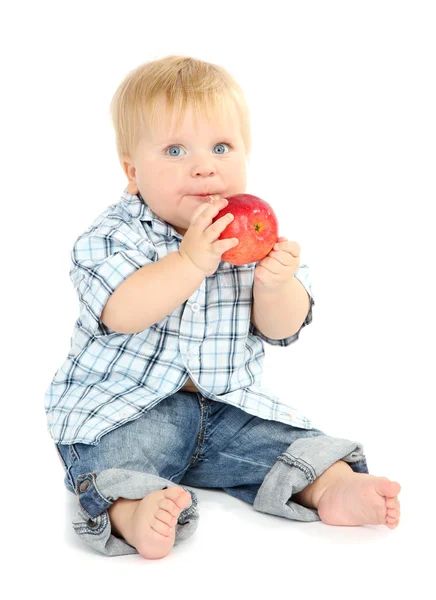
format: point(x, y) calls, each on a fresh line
point(189, 265)
point(261, 289)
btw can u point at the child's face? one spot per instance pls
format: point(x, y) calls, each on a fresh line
point(169, 168)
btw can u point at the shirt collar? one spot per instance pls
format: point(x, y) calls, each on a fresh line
point(136, 206)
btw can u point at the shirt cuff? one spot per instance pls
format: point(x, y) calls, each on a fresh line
point(302, 277)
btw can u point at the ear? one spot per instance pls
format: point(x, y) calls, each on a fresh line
point(130, 171)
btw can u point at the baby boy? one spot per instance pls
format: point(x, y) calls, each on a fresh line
point(162, 385)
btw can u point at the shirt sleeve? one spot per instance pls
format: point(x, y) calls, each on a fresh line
point(302, 275)
point(101, 261)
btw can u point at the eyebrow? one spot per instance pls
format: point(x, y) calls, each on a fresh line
point(178, 139)
point(170, 140)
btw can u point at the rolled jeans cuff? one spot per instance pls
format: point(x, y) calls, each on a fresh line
point(301, 463)
point(96, 493)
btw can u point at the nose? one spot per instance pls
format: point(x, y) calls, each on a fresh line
point(203, 167)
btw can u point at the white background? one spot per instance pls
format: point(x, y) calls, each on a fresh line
point(342, 99)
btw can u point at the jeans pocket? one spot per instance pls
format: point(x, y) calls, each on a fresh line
point(67, 455)
point(74, 453)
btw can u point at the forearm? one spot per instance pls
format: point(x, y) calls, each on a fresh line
point(151, 293)
point(280, 314)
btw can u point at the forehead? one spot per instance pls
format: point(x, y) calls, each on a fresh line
point(168, 123)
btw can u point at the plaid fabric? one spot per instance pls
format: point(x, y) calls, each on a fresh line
point(110, 378)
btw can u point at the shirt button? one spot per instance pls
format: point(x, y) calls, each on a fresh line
point(195, 307)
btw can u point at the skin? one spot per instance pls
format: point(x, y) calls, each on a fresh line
point(169, 167)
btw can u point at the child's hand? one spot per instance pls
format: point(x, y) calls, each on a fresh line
point(278, 267)
point(200, 243)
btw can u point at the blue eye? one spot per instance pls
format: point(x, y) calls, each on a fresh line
point(170, 148)
point(176, 147)
point(222, 145)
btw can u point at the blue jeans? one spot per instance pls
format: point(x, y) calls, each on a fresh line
point(188, 440)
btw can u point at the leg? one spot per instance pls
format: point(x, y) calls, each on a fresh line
point(312, 493)
point(238, 452)
point(284, 470)
point(136, 466)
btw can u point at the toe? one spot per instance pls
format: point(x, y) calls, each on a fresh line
point(392, 518)
point(178, 495)
point(388, 488)
point(170, 506)
point(184, 500)
point(165, 517)
point(392, 503)
point(161, 528)
point(396, 487)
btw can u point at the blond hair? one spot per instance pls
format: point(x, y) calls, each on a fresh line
point(207, 87)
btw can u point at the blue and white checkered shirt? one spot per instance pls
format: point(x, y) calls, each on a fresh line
point(111, 378)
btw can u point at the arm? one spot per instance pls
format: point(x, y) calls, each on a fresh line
point(279, 314)
point(155, 290)
point(151, 293)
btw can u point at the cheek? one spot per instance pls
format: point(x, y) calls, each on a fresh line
point(168, 175)
point(238, 172)
point(161, 178)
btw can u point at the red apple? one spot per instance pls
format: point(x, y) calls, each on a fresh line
point(255, 225)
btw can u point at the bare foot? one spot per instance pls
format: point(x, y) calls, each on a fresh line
point(151, 526)
point(361, 499)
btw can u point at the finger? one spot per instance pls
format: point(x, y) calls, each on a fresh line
point(204, 214)
point(201, 208)
point(214, 208)
point(220, 246)
point(279, 242)
point(272, 265)
point(283, 258)
point(218, 226)
point(287, 246)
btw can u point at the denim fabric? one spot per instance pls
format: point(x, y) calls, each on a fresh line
point(188, 440)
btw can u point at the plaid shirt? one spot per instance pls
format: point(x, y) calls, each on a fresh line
point(111, 378)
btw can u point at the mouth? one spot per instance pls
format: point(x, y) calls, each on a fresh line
point(207, 195)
